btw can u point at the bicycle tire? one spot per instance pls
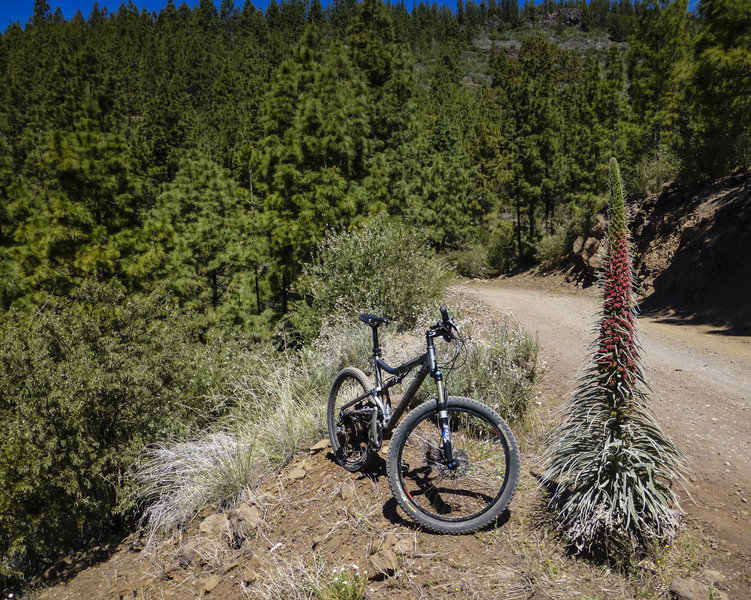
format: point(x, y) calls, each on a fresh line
point(352, 454)
point(463, 499)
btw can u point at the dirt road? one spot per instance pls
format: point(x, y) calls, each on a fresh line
point(701, 382)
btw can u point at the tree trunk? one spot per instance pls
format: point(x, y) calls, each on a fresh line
point(258, 293)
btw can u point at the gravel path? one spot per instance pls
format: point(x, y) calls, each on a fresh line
point(701, 382)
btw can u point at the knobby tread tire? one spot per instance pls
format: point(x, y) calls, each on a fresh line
point(393, 468)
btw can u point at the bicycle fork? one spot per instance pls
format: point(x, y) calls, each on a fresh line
point(442, 406)
point(443, 420)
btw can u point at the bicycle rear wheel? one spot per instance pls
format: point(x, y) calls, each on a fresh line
point(483, 477)
point(348, 430)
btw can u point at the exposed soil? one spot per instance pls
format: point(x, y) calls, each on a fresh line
point(691, 249)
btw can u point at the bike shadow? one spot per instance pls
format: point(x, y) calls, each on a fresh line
point(392, 512)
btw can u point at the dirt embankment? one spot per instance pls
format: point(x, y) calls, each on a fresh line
point(691, 249)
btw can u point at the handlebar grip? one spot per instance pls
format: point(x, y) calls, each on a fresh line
point(445, 315)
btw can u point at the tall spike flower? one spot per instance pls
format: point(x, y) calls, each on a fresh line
point(609, 462)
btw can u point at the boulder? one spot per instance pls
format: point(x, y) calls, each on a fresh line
point(214, 525)
point(688, 589)
point(591, 246)
point(600, 228)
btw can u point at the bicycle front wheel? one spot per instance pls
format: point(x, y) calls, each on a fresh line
point(483, 475)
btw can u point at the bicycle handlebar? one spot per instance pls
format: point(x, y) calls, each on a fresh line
point(446, 326)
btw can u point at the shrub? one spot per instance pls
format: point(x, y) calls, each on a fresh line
point(471, 261)
point(552, 248)
point(500, 370)
point(83, 387)
point(610, 463)
point(502, 251)
point(278, 405)
point(383, 268)
point(581, 217)
point(313, 580)
point(654, 171)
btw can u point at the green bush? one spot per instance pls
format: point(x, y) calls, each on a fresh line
point(552, 248)
point(580, 218)
point(471, 261)
point(654, 171)
point(500, 370)
point(83, 388)
point(383, 268)
point(502, 251)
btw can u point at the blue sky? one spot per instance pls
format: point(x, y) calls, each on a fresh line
point(21, 10)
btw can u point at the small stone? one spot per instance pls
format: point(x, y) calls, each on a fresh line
point(318, 540)
point(244, 519)
point(322, 445)
point(296, 473)
point(230, 567)
point(347, 493)
point(404, 546)
point(125, 592)
point(186, 555)
point(250, 571)
point(249, 574)
point(173, 570)
point(383, 563)
point(214, 525)
point(688, 589)
point(207, 584)
point(712, 577)
point(744, 500)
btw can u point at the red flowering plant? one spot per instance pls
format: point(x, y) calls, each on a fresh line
point(610, 465)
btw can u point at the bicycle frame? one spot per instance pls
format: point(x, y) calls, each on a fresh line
point(380, 393)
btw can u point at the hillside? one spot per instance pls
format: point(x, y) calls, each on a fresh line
point(296, 531)
point(690, 253)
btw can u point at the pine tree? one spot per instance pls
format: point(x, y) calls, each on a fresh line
point(612, 466)
point(718, 139)
point(76, 222)
point(200, 236)
point(659, 42)
point(312, 158)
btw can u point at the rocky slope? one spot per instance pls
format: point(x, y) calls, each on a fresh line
point(691, 249)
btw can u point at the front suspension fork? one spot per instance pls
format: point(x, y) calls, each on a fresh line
point(443, 420)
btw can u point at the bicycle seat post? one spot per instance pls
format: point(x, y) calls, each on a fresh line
point(376, 345)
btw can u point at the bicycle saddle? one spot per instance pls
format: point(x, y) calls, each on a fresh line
point(372, 320)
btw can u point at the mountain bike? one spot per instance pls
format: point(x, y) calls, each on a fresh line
point(452, 464)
